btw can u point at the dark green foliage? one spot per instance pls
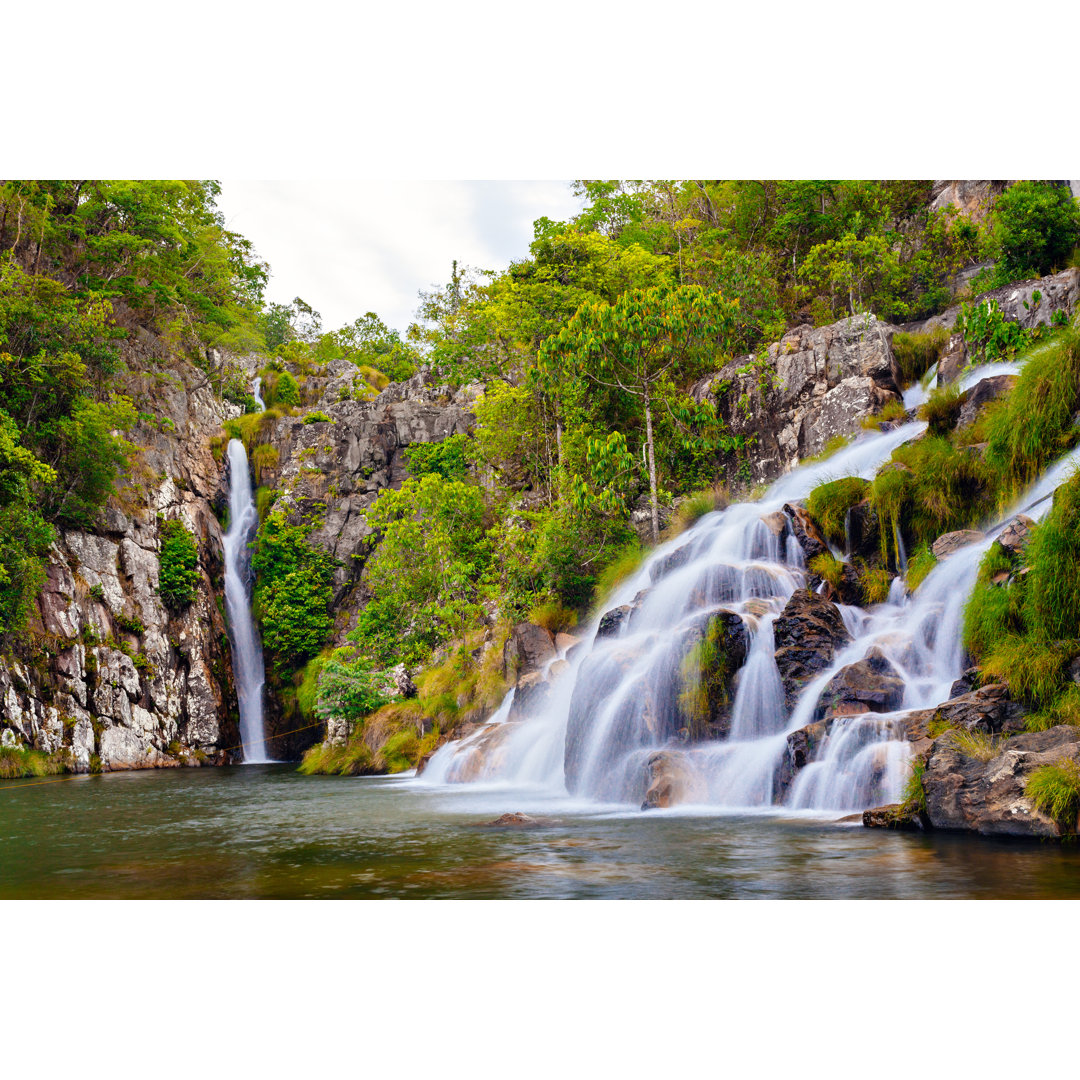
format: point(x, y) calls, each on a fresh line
point(285, 391)
point(447, 458)
point(828, 504)
point(178, 576)
point(988, 334)
point(350, 689)
point(316, 416)
point(1037, 225)
point(294, 587)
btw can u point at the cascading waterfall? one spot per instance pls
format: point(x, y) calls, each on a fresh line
point(618, 702)
point(247, 649)
point(255, 388)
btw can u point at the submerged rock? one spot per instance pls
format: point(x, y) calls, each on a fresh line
point(802, 748)
point(670, 563)
point(894, 816)
point(513, 821)
point(673, 779)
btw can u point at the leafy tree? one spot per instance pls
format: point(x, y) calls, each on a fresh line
point(1037, 225)
point(647, 337)
point(426, 573)
point(294, 587)
point(178, 575)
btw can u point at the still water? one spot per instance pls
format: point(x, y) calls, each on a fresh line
point(263, 831)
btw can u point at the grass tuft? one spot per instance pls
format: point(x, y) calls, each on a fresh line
point(917, 353)
point(828, 504)
point(1055, 790)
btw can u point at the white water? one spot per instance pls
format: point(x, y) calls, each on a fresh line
point(247, 650)
point(256, 386)
point(618, 702)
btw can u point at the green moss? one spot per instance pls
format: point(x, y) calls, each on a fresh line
point(893, 410)
point(993, 610)
point(874, 581)
point(554, 616)
point(828, 504)
point(353, 759)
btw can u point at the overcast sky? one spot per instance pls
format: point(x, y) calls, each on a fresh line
point(351, 246)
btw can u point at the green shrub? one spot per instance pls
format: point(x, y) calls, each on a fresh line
point(447, 458)
point(317, 416)
point(828, 504)
point(129, 625)
point(178, 574)
point(294, 587)
point(353, 759)
point(1055, 790)
point(97, 592)
point(693, 508)
point(917, 353)
point(988, 334)
point(1037, 225)
point(286, 390)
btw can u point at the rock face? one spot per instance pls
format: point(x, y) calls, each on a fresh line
point(112, 679)
point(947, 543)
point(343, 465)
point(988, 797)
point(826, 380)
point(807, 634)
point(869, 685)
point(981, 394)
point(1014, 537)
point(987, 709)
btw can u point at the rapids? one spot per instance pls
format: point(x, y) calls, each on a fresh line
point(616, 704)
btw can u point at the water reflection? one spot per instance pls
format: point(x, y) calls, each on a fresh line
point(264, 831)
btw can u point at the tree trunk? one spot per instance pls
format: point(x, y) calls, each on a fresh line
point(652, 468)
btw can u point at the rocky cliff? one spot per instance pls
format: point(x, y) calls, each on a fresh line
point(110, 678)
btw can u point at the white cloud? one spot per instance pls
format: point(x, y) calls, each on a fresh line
point(350, 246)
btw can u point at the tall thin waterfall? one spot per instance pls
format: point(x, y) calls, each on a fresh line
point(618, 702)
point(255, 388)
point(247, 649)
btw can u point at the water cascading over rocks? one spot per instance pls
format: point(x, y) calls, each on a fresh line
point(638, 718)
point(247, 649)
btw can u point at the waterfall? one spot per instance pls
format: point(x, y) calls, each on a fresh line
point(619, 702)
point(247, 649)
point(255, 387)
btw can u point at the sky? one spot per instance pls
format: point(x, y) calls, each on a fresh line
point(351, 246)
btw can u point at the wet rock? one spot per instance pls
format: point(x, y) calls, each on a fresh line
point(513, 821)
point(966, 683)
point(805, 531)
point(953, 360)
point(947, 543)
point(527, 649)
point(612, 622)
point(869, 685)
point(777, 523)
point(673, 779)
point(802, 748)
point(530, 695)
point(807, 634)
point(988, 709)
point(894, 816)
point(987, 797)
point(981, 394)
point(1014, 537)
point(670, 563)
point(565, 642)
